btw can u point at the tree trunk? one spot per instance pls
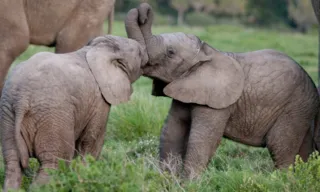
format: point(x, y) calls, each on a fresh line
point(180, 17)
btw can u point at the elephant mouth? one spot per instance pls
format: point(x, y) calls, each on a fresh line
point(151, 71)
point(149, 68)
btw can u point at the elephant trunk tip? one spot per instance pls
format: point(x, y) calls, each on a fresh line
point(132, 15)
point(145, 13)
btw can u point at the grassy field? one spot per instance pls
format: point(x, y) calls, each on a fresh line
point(129, 158)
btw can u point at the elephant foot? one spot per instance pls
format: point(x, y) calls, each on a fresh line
point(172, 164)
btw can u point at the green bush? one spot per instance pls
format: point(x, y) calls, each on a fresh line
point(135, 168)
point(112, 173)
point(305, 176)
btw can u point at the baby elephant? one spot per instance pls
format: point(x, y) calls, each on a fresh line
point(261, 98)
point(55, 106)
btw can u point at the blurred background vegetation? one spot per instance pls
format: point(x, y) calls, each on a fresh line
point(279, 14)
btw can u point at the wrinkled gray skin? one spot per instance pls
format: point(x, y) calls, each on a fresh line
point(65, 25)
point(55, 106)
point(261, 98)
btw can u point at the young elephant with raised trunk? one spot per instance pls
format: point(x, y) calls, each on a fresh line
point(261, 98)
point(55, 106)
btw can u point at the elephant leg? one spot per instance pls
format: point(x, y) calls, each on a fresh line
point(92, 138)
point(307, 146)
point(174, 136)
point(206, 132)
point(14, 40)
point(110, 20)
point(285, 140)
point(53, 142)
point(13, 172)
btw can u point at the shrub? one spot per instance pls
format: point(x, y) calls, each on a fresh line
point(302, 14)
point(113, 173)
point(305, 176)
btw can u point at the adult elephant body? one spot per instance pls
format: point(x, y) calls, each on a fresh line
point(67, 25)
point(261, 98)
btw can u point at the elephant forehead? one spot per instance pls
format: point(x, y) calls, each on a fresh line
point(119, 42)
point(180, 40)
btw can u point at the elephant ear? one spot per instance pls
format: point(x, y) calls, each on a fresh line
point(217, 83)
point(157, 87)
point(113, 82)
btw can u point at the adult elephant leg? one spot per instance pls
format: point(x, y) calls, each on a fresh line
point(285, 139)
point(54, 142)
point(174, 136)
point(206, 132)
point(91, 140)
point(14, 38)
point(307, 146)
point(110, 20)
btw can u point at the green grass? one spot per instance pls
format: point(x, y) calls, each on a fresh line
point(129, 160)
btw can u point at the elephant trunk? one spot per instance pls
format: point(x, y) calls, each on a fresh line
point(132, 28)
point(134, 32)
point(138, 24)
point(145, 21)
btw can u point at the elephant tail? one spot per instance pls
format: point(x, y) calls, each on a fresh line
point(21, 144)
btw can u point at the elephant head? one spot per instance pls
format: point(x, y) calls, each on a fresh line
point(184, 67)
point(115, 63)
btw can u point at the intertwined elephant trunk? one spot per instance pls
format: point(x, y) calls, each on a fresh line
point(138, 26)
point(133, 30)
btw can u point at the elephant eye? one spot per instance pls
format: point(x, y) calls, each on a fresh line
point(120, 62)
point(170, 52)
